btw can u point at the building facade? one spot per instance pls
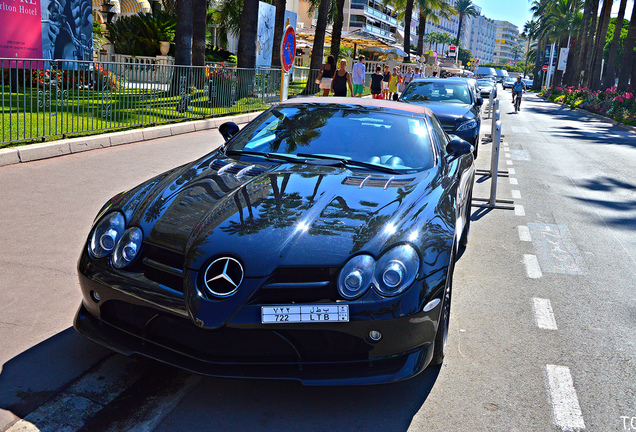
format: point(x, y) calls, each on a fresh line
point(507, 36)
point(478, 35)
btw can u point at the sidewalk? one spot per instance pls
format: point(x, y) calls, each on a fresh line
point(31, 152)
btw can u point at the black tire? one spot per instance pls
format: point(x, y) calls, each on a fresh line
point(439, 349)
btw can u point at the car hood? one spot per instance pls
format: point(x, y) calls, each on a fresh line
point(287, 214)
point(449, 114)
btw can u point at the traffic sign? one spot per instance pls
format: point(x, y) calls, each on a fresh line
point(451, 48)
point(288, 49)
point(545, 68)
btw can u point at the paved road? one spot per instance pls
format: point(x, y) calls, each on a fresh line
point(543, 330)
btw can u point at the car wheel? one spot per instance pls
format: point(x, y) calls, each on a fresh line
point(439, 349)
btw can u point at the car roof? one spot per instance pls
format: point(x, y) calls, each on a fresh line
point(456, 80)
point(365, 102)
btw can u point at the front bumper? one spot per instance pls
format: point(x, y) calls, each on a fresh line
point(155, 326)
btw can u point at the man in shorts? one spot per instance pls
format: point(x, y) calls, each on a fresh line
point(517, 90)
point(358, 73)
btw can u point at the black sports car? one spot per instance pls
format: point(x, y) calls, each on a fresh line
point(454, 103)
point(318, 244)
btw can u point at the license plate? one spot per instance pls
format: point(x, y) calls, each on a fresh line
point(304, 314)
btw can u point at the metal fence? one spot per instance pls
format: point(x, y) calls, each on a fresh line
point(49, 99)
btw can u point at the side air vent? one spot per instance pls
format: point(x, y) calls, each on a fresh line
point(234, 168)
point(382, 182)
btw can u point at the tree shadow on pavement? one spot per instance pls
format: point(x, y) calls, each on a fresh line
point(622, 209)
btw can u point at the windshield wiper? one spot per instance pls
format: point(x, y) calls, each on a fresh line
point(268, 156)
point(350, 162)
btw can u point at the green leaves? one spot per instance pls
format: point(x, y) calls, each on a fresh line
point(141, 33)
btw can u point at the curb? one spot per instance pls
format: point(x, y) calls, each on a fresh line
point(629, 128)
point(32, 152)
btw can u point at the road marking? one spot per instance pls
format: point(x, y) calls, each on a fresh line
point(520, 129)
point(565, 404)
point(519, 210)
point(512, 171)
point(543, 314)
point(556, 250)
point(515, 193)
point(513, 181)
point(532, 266)
point(508, 155)
point(509, 162)
point(524, 233)
point(521, 155)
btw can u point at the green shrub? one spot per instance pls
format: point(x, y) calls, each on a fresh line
point(140, 34)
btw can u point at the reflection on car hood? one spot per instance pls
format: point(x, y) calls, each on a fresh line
point(288, 214)
point(448, 113)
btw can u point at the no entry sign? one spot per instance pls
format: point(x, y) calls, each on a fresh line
point(545, 68)
point(288, 49)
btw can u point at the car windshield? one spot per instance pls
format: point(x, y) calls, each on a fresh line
point(438, 91)
point(509, 80)
point(362, 137)
point(484, 83)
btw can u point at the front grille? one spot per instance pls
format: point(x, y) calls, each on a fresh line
point(163, 266)
point(299, 285)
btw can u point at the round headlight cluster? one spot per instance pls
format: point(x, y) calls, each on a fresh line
point(111, 237)
point(391, 275)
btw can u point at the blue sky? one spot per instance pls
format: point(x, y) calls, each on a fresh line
point(518, 11)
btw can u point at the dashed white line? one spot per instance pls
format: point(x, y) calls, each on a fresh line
point(509, 162)
point(513, 181)
point(543, 314)
point(511, 171)
point(532, 266)
point(515, 194)
point(519, 210)
point(524, 233)
point(565, 404)
point(508, 155)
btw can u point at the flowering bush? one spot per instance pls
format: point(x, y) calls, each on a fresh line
point(620, 106)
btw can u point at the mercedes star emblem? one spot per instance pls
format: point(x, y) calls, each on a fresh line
point(223, 276)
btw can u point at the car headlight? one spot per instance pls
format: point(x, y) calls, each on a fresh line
point(356, 276)
point(396, 270)
point(128, 247)
point(470, 124)
point(106, 234)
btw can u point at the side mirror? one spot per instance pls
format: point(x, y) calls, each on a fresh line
point(479, 101)
point(228, 130)
point(457, 147)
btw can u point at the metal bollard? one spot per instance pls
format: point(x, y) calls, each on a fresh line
point(494, 164)
point(490, 105)
point(495, 119)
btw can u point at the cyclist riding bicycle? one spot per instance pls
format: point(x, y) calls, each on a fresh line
point(517, 90)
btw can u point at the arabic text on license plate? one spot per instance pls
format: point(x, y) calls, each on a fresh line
point(304, 314)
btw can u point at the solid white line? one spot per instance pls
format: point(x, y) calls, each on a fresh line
point(513, 181)
point(509, 162)
point(532, 266)
point(565, 404)
point(512, 171)
point(515, 193)
point(524, 233)
point(519, 210)
point(543, 314)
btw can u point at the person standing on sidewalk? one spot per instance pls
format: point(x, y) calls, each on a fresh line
point(385, 82)
point(326, 74)
point(376, 83)
point(358, 73)
point(340, 80)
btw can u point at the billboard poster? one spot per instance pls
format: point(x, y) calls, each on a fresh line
point(563, 59)
point(20, 33)
point(46, 29)
point(265, 34)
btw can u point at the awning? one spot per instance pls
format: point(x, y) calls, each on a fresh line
point(355, 38)
point(127, 7)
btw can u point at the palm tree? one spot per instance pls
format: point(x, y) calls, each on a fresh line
point(336, 33)
point(404, 10)
point(279, 27)
point(610, 76)
point(318, 46)
point(246, 56)
point(464, 8)
point(629, 58)
point(517, 51)
point(599, 45)
point(183, 34)
point(444, 39)
point(583, 40)
point(199, 30)
point(433, 10)
point(530, 31)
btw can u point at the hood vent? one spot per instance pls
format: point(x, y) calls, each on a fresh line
point(382, 182)
point(234, 168)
